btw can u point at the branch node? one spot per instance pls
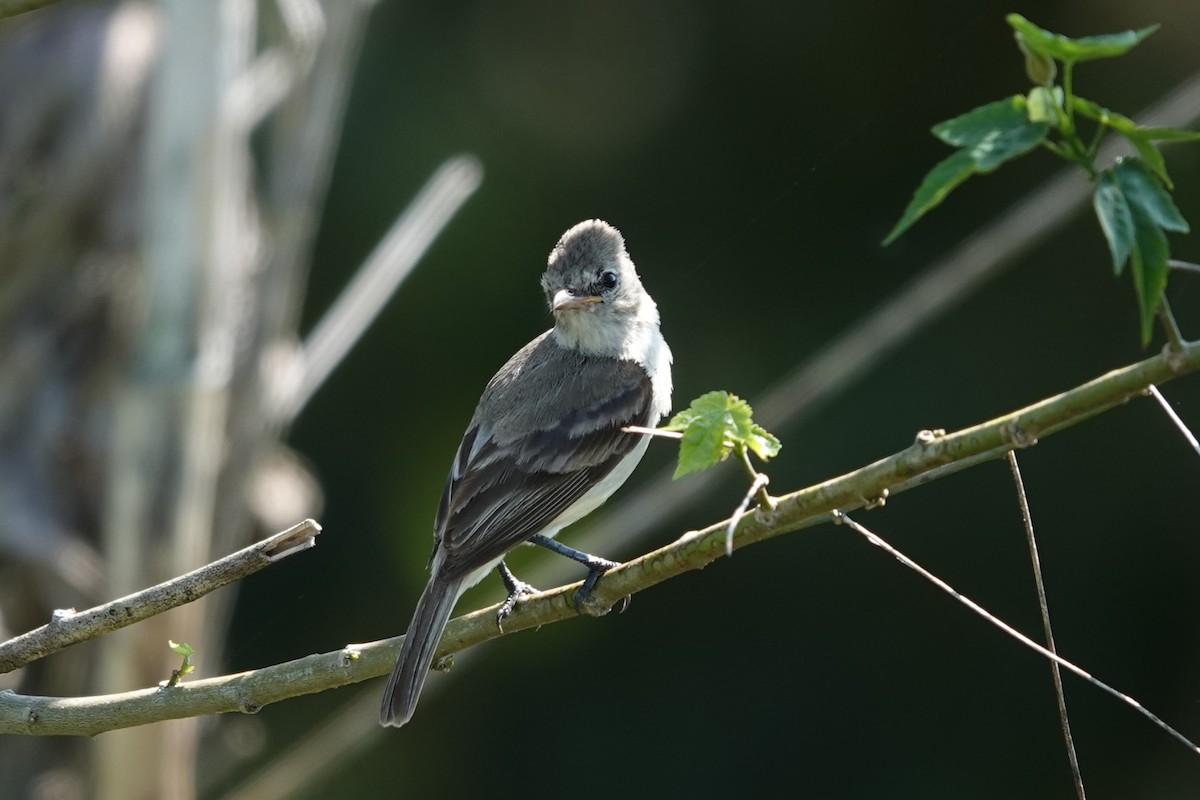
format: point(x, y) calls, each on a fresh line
point(443, 664)
point(1175, 357)
point(927, 437)
point(878, 501)
point(1017, 435)
point(300, 536)
point(349, 656)
point(60, 615)
point(247, 706)
point(765, 514)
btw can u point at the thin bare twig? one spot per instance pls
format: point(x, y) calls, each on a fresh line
point(1153, 391)
point(387, 266)
point(760, 482)
point(1174, 335)
point(652, 432)
point(11, 8)
point(1183, 266)
point(758, 485)
point(1013, 632)
point(1044, 608)
point(70, 628)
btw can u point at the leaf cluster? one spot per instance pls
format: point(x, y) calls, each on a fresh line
point(713, 426)
point(1131, 196)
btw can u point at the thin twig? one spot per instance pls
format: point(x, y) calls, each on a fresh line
point(1044, 608)
point(758, 485)
point(387, 266)
point(70, 628)
point(1153, 391)
point(652, 432)
point(1013, 632)
point(759, 482)
point(267, 80)
point(1174, 335)
point(11, 8)
point(1183, 266)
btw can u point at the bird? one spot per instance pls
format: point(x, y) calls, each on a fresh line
point(547, 443)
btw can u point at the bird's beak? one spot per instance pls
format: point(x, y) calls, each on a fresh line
point(566, 299)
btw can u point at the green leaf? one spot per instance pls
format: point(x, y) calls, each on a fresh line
point(1152, 156)
point(1135, 211)
point(1068, 50)
point(181, 648)
point(1149, 267)
point(1112, 119)
point(1142, 138)
point(763, 443)
point(1045, 105)
point(702, 446)
point(1145, 193)
point(938, 183)
point(186, 668)
point(988, 136)
point(1116, 221)
point(993, 133)
point(1170, 134)
point(713, 425)
point(1125, 125)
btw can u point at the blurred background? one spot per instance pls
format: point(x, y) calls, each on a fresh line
point(753, 155)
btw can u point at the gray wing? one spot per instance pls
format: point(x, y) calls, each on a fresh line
point(548, 428)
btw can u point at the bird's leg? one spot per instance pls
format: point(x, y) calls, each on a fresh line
point(517, 589)
point(596, 567)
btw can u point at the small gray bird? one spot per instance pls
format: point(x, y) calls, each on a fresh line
point(545, 446)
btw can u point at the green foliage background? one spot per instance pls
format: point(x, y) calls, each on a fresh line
point(754, 155)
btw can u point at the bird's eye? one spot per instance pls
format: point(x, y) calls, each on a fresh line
point(608, 280)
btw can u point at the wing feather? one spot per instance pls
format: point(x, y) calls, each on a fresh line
point(512, 478)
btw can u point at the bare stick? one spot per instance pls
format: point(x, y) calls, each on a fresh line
point(388, 265)
point(1183, 266)
point(638, 429)
point(760, 482)
point(1011, 631)
point(758, 485)
point(1044, 607)
point(11, 8)
point(70, 628)
point(1170, 326)
point(1153, 391)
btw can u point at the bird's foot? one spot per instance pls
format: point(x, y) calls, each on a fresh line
point(583, 601)
point(518, 590)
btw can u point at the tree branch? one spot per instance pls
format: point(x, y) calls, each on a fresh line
point(70, 628)
point(934, 454)
point(11, 8)
point(393, 258)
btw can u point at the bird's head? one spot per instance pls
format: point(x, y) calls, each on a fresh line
point(593, 289)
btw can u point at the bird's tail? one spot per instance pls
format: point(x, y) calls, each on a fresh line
point(416, 654)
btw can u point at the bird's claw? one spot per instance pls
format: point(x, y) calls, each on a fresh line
point(518, 590)
point(581, 600)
